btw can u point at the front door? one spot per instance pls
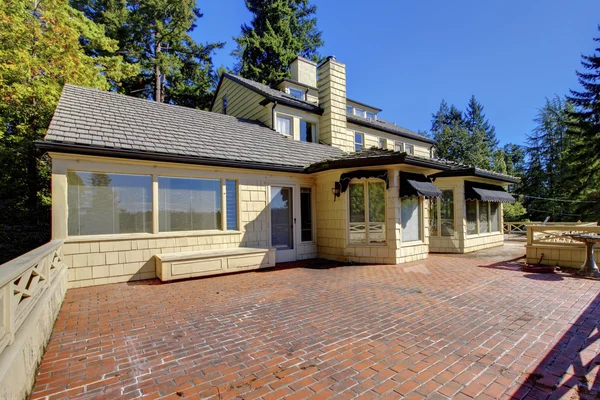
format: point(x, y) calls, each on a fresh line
point(282, 223)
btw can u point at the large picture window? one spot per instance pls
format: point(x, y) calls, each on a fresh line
point(410, 214)
point(189, 204)
point(101, 203)
point(367, 212)
point(442, 215)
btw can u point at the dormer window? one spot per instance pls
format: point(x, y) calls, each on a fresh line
point(284, 125)
point(297, 93)
point(370, 115)
point(308, 132)
point(382, 143)
point(359, 112)
point(410, 149)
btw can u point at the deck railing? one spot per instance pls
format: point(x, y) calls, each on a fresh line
point(22, 282)
point(552, 245)
point(520, 227)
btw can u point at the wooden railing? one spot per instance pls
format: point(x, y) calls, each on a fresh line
point(557, 235)
point(521, 227)
point(22, 282)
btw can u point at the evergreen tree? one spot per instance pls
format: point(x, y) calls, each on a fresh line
point(514, 159)
point(584, 135)
point(280, 31)
point(40, 51)
point(483, 135)
point(155, 34)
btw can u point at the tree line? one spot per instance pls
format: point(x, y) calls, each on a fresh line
point(141, 48)
point(558, 165)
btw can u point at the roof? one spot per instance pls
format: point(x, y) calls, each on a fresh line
point(90, 121)
point(363, 104)
point(388, 127)
point(376, 156)
point(272, 95)
point(279, 82)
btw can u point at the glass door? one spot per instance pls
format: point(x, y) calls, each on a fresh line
point(282, 223)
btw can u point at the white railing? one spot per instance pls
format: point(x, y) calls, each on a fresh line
point(557, 235)
point(521, 226)
point(22, 282)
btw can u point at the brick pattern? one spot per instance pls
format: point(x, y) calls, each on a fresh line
point(447, 327)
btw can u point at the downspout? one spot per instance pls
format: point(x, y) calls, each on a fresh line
point(306, 94)
point(273, 115)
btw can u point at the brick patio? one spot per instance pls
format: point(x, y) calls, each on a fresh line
point(448, 327)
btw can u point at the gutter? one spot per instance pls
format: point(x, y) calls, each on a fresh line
point(160, 157)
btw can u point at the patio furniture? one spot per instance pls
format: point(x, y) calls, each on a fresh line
point(589, 267)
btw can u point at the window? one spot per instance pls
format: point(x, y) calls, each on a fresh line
point(370, 115)
point(284, 125)
point(231, 205)
point(382, 143)
point(307, 131)
point(447, 213)
point(189, 204)
point(359, 112)
point(297, 93)
point(410, 213)
point(482, 217)
point(100, 203)
point(225, 105)
point(471, 217)
point(409, 149)
point(434, 218)
point(367, 212)
point(399, 147)
point(358, 141)
point(306, 214)
point(349, 109)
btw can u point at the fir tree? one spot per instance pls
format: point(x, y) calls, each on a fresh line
point(155, 34)
point(584, 135)
point(279, 32)
point(483, 134)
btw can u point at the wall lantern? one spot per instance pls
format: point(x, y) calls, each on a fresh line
point(336, 190)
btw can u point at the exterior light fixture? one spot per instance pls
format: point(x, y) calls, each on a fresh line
point(336, 190)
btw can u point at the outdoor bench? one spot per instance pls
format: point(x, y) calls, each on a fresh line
point(171, 266)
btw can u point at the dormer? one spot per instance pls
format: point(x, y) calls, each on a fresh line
point(361, 110)
point(303, 82)
point(298, 90)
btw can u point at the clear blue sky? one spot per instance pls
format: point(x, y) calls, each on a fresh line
point(406, 56)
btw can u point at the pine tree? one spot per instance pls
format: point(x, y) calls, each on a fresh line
point(40, 51)
point(584, 135)
point(483, 134)
point(280, 31)
point(155, 34)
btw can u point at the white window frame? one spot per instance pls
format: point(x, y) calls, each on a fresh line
point(315, 133)
point(399, 144)
point(362, 144)
point(438, 206)
point(365, 182)
point(489, 232)
point(312, 212)
point(382, 143)
point(408, 146)
point(289, 118)
point(298, 91)
point(359, 112)
point(422, 227)
point(372, 116)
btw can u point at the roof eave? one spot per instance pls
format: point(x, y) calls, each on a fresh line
point(358, 121)
point(269, 99)
point(70, 148)
point(363, 104)
point(477, 173)
point(396, 158)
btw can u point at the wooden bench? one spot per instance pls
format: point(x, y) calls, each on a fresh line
point(171, 266)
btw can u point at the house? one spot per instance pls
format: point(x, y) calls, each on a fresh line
point(271, 174)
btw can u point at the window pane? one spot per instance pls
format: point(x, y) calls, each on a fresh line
point(447, 213)
point(495, 217)
point(411, 219)
point(376, 212)
point(358, 141)
point(306, 214)
point(284, 125)
point(484, 217)
point(409, 149)
point(108, 203)
point(471, 217)
point(349, 109)
point(370, 115)
point(189, 204)
point(307, 131)
point(297, 93)
point(382, 143)
point(359, 112)
point(231, 203)
point(433, 218)
point(358, 232)
point(399, 146)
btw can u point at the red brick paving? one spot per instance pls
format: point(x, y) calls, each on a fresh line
point(442, 328)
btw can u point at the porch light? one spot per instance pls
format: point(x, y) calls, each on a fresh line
point(336, 190)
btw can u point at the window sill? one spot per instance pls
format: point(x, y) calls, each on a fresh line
point(413, 243)
point(137, 236)
point(477, 235)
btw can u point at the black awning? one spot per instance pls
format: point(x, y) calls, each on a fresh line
point(363, 173)
point(487, 192)
point(417, 185)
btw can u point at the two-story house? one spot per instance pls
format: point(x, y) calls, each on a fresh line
point(291, 171)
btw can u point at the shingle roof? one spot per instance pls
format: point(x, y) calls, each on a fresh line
point(90, 118)
point(389, 127)
point(274, 94)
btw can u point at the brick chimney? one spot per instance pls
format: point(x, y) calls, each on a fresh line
point(332, 98)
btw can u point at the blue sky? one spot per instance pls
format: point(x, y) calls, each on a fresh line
point(406, 56)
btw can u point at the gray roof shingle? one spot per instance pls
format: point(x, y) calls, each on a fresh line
point(91, 117)
point(389, 127)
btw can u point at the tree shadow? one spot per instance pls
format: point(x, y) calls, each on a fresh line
point(571, 365)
